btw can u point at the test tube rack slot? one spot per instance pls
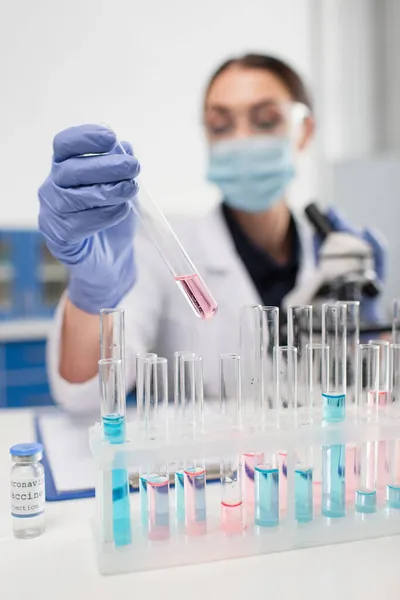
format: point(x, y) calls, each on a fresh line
point(219, 440)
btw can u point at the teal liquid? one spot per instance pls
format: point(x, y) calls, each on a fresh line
point(180, 497)
point(333, 407)
point(144, 511)
point(303, 495)
point(266, 485)
point(365, 501)
point(334, 481)
point(393, 496)
point(114, 432)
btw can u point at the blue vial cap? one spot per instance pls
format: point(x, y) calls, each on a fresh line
point(26, 449)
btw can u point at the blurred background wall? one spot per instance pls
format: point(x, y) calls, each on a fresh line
point(139, 66)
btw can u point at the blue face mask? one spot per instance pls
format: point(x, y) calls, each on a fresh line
point(252, 173)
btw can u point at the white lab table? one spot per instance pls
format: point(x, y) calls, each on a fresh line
point(60, 564)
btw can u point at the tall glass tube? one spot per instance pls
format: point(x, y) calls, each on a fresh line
point(140, 361)
point(250, 332)
point(367, 406)
point(179, 417)
point(300, 326)
point(285, 364)
point(154, 478)
point(395, 375)
point(269, 339)
point(353, 340)
point(113, 408)
point(334, 335)
point(396, 321)
point(232, 518)
point(172, 252)
point(194, 474)
point(317, 377)
point(393, 446)
point(384, 371)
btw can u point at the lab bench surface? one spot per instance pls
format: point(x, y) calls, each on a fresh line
point(60, 564)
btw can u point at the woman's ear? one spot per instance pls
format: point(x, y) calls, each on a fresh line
point(307, 133)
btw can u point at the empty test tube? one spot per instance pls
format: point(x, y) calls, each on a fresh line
point(285, 363)
point(140, 360)
point(352, 342)
point(367, 406)
point(300, 325)
point(384, 371)
point(194, 473)
point(113, 408)
point(396, 321)
point(154, 478)
point(232, 518)
point(179, 416)
point(393, 446)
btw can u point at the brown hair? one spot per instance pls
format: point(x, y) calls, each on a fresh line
point(277, 67)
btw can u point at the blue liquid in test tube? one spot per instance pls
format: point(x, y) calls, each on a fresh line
point(365, 501)
point(180, 497)
point(266, 481)
point(303, 494)
point(114, 432)
point(333, 407)
point(334, 481)
point(393, 496)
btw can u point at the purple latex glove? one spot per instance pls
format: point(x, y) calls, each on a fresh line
point(370, 309)
point(86, 215)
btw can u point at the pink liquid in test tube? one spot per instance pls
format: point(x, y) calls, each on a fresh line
point(158, 507)
point(232, 517)
point(198, 295)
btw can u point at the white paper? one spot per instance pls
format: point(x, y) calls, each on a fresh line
point(66, 444)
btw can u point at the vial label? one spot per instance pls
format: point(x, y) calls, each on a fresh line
point(27, 497)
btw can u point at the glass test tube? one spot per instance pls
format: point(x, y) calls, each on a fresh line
point(179, 416)
point(194, 474)
point(232, 520)
point(334, 335)
point(367, 405)
point(140, 360)
point(174, 255)
point(154, 479)
point(396, 321)
point(318, 366)
point(112, 346)
point(113, 408)
point(393, 446)
point(300, 325)
point(259, 329)
point(384, 371)
point(353, 340)
point(269, 493)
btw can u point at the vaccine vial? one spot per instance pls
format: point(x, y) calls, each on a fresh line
point(27, 490)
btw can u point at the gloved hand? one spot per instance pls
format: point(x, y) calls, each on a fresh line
point(370, 309)
point(86, 215)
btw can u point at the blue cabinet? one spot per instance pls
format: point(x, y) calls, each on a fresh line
point(31, 280)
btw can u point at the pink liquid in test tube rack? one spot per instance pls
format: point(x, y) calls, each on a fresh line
point(198, 295)
point(158, 507)
point(195, 500)
point(232, 517)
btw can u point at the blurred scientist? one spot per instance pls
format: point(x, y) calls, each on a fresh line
point(251, 249)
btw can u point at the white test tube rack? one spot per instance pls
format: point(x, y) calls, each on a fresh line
point(220, 440)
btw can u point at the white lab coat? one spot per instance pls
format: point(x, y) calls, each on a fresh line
point(157, 316)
